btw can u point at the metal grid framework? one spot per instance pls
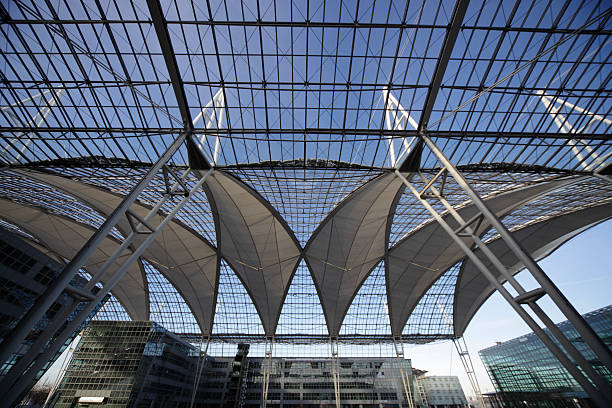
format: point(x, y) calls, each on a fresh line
point(515, 93)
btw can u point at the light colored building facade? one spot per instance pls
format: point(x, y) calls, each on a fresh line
point(441, 391)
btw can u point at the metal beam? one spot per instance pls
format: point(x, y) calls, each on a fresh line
point(199, 368)
point(401, 361)
point(466, 360)
point(27, 84)
point(163, 36)
point(447, 49)
point(600, 398)
point(368, 134)
point(464, 356)
point(300, 24)
point(589, 335)
point(267, 369)
point(335, 366)
point(14, 382)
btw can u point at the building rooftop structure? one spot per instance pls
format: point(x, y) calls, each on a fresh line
point(288, 142)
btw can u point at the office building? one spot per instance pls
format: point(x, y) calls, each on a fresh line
point(294, 382)
point(523, 371)
point(128, 364)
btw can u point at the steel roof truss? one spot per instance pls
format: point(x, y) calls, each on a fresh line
point(161, 28)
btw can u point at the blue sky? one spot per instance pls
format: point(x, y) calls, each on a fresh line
point(582, 269)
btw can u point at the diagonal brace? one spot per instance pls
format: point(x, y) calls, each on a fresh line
point(604, 388)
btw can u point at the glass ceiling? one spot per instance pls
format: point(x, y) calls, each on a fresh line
point(305, 101)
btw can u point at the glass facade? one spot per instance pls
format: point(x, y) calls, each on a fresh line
point(129, 364)
point(364, 382)
point(524, 369)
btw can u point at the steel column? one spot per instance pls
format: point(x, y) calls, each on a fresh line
point(464, 356)
point(199, 369)
point(399, 353)
point(524, 297)
point(422, 393)
point(267, 368)
point(17, 379)
point(466, 360)
point(333, 346)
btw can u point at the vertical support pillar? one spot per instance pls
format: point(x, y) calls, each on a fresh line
point(267, 368)
point(401, 362)
point(422, 393)
point(464, 355)
point(595, 385)
point(199, 369)
point(333, 345)
point(466, 360)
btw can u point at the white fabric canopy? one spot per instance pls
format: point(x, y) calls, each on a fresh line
point(539, 239)
point(262, 250)
point(350, 241)
point(420, 258)
point(184, 257)
point(256, 242)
